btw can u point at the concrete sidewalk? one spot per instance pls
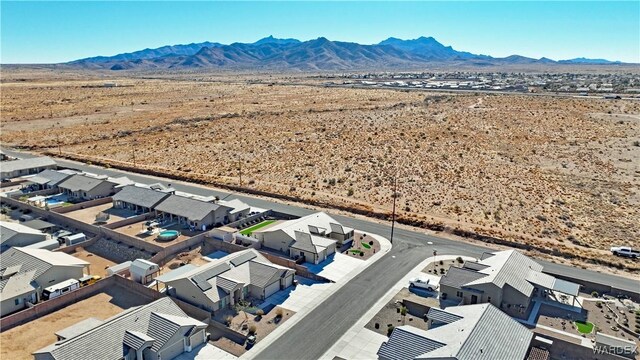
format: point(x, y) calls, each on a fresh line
point(318, 298)
point(362, 343)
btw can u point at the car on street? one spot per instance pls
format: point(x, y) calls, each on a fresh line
point(625, 251)
point(422, 284)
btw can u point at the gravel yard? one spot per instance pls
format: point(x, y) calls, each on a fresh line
point(21, 341)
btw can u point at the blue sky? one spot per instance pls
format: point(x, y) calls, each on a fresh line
point(46, 32)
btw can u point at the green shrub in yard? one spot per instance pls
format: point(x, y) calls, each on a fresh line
point(390, 330)
point(594, 294)
point(459, 259)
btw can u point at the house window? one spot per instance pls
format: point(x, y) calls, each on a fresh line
point(489, 299)
point(459, 294)
point(17, 301)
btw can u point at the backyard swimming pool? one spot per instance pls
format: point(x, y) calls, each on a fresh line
point(168, 235)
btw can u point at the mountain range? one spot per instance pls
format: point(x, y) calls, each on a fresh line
point(317, 54)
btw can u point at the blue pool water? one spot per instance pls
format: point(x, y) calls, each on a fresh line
point(52, 201)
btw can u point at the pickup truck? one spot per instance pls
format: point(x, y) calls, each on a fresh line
point(625, 251)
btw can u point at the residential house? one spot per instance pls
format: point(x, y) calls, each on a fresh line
point(138, 199)
point(192, 212)
point(222, 283)
point(22, 167)
point(506, 279)
point(471, 332)
point(83, 187)
point(16, 234)
point(239, 209)
point(156, 331)
point(48, 179)
point(313, 237)
point(25, 272)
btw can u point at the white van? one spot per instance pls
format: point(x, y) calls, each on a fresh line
point(60, 289)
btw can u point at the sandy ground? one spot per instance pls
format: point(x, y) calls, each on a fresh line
point(21, 341)
point(98, 265)
point(561, 173)
point(88, 215)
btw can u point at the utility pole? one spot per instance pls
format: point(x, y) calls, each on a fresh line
point(133, 150)
point(240, 171)
point(395, 195)
point(59, 148)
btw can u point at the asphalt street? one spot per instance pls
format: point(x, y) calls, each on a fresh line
point(322, 327)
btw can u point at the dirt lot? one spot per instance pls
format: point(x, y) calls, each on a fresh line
point(560, 173)
point(98, 265)
point(21, 341)
point(88, 215)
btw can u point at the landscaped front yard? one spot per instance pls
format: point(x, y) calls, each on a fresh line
point(363, 246)
point(250, 230)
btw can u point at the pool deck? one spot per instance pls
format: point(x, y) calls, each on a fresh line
point(136, 229)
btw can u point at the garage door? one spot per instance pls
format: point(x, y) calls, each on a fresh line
point(271, 289)
point(288, 281)
point(197, 339)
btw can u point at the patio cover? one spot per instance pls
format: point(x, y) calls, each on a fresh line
point(551, 283)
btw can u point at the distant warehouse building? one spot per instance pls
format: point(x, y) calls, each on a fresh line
point(16, 168)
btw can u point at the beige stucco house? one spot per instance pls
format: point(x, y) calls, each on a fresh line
point(223, 282)
point(157, 331)
point(314, 237)
point(506, 279)
point(83, 187)
point(25, 272)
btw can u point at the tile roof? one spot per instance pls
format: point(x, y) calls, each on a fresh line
point(311, 243)
point(218, 278)
point(80, 182)
point(38, 224)
point(50, 177)
point(10, 229)
point(482, 332)
point(319, 221)
point(406, 344)
point(442, 316)
point(79, 328)
point(159, 320)
point(191, 209)
point(140, 196)
point(458, 277)
point(24, 164)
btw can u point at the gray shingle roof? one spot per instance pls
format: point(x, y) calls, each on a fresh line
point(191, 209)
point(79, 328)
point(140, 196)
point(263, 274)
point(160, 320)
point(50, 177)
point(38, 224)
point(23, 164)
point(225, 284)
point(457, 277)
point(80, 183)
point(406, 345)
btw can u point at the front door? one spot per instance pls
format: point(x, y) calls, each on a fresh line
point(474, 299)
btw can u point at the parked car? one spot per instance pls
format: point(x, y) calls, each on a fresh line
point(422, 284)
point(625, 251)
point(251, 340)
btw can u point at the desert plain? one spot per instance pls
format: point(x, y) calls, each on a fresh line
point(557, 172)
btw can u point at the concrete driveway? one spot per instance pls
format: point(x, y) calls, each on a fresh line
point(336, 267)
point(300, 297)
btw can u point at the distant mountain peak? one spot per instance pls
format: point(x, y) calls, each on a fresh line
point(316, 54)
point(273, 40)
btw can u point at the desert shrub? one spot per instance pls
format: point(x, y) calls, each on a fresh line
point(252, 329)
point(594, 294)
point(279, 312)
point(459, 260)
point(599, 304)
point(390, 329)
point(371, 242)
point(441, 262)
point(228, 320)
point(260, 312)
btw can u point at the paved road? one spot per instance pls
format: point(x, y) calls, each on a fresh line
point(322, 327)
